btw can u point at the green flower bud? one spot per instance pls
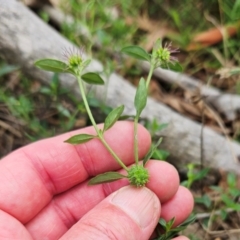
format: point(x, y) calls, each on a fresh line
point(162, 56)
point(74, 59)
point(138, 176)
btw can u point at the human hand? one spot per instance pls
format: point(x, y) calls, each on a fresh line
point(44, 191)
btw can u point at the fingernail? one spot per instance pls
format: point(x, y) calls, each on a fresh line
point(140, 204)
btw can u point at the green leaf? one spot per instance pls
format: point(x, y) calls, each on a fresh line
point(174, 66)
point(80, 138)
point(5, 69)
point(234, 192)
point(92, 78)
point(140, 100)
point(52, 65)
point(136, 52)
point(124, 117)
point(205, 200)
point(151, 151)
point(191, 219)
point(230, 203)
point(106, 177)
point(223, 214)
point(171, 233)
point(170, 224)
point(160, 154)
point(112, 117)
point(201, 174)
point(163, 223)
point(231, 180)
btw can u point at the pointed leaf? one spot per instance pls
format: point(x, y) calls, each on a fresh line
point(170, 224)
point(124, 117)
point(174, 66)
point(52, 65)
point(136, 52)
point(92, 78)
point(191, 219)
point(177, 229)
point(151, 151)
point(140, 100)
point(112, 117)
point(80, 138)
point(162, 222)
point(160, 154)
point(106, 177)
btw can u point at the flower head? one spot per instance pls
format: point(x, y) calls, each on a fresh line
point(74, 58)
point(138, 176)
point(162, 56)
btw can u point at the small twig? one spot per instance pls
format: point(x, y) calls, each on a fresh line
point(220, 232)
point(200, 216)
point(10, 129)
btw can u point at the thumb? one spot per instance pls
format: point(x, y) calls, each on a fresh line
point(129, 213)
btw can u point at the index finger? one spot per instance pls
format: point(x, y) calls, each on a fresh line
point(30, 176)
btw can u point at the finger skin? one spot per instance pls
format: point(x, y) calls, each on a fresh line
point(64, 210)
point(179, 206)
point(129, 213)
point(37, 172)
point(163, 181)
point(11, 228)
point(42, 177)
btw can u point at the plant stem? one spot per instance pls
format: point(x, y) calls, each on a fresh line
point(119, 161)
point(150, 75)
point(137, 118)
point(86, 105)
point(99, 133)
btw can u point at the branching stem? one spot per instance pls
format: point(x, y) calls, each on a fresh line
point(99, 133)
point(137, 118)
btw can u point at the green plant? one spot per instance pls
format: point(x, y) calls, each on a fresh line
point(137, 174)
point(155, 127)
point(161, 56)
point(169, 230)
point(100, 22)
point(224, 205)
point(37, 111)
point(229, 196)
point(193, 175)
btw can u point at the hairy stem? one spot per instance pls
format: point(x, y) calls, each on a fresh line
point(150, 75)
point(137, 118)
point(99, 133)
